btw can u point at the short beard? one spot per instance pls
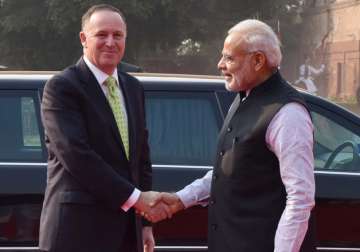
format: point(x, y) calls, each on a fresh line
point(227, 87)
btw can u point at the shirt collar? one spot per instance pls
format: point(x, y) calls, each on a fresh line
point(99, 75)
point(244, 94)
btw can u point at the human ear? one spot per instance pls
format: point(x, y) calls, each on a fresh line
point(259, 60)
point(82, 36)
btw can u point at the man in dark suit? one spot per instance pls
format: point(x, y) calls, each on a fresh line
point(99, 170)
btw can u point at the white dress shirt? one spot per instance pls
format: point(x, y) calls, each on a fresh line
point(101, 78)
point(290, 137)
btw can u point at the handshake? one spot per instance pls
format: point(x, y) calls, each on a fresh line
point(156, 206)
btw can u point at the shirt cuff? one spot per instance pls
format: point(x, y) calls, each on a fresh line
point(131, 200)
point(186, 198)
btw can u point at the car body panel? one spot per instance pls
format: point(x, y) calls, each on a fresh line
point(337, 196)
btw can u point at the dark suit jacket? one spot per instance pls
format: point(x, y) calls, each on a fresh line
point(89, 176)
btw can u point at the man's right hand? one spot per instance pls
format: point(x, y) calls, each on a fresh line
point(150, 206)
point(147, 200)
point(155, 206)
point(173, 201)
point(169, 203)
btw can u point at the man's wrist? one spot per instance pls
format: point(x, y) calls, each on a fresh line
point(185, 198)
point(132, 200)
point(179, 205)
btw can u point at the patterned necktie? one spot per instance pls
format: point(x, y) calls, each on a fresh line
point(114, 101)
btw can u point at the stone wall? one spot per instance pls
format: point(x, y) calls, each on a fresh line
point(331, 34)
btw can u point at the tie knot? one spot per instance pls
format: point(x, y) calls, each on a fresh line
point(111, 84)
point(111, 81)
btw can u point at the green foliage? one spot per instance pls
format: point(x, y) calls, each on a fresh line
point(43, 34)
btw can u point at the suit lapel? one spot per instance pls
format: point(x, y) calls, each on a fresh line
point(98, 98)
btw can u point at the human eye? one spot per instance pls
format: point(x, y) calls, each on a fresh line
point(227, 58)
point(119, 35)
point(100, 35)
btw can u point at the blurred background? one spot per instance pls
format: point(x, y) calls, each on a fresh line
point(320, 38)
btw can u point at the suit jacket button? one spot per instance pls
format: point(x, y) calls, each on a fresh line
point(214, 227)
point(229, 129)
point(212, 202)
point(215, 177)
point(221, 153)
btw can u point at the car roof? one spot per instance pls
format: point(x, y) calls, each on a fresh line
point(152, 81)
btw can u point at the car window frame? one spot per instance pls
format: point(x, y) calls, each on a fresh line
point(35, 94)
point(338, 114)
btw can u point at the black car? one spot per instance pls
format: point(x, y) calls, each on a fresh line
point(184, 116)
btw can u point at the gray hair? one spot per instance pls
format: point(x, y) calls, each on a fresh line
point(259, 36)
point(99, 7)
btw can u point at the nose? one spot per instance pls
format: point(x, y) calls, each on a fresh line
point(109, 40)
point(221, 63)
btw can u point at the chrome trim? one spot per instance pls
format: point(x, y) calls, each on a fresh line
point(338, 173)
point(180, 166)
point(337, 249)
point(183, 166)
point(158, 248)
point(154, 165)
point(204, 248)
point(181, 248)
point(20, 248)
point(22, 164)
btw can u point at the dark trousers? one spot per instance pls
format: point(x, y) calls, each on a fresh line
point(129, 242)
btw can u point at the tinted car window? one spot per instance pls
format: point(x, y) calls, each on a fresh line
point(183, 127)
point(31, 136)
point(336, 147)
point(19, 128)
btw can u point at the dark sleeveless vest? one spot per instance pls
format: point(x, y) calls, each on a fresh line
point(247, 193)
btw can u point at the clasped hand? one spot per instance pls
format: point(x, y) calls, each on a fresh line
point(156, 206)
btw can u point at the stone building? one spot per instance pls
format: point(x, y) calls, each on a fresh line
point(331, 35)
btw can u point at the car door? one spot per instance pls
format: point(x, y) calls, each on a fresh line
point(337, 172)
point(22, 168)
point(183, 127)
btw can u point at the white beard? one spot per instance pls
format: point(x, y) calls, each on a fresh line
point(237, 80)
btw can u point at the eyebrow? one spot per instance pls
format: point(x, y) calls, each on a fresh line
point(227, 56)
